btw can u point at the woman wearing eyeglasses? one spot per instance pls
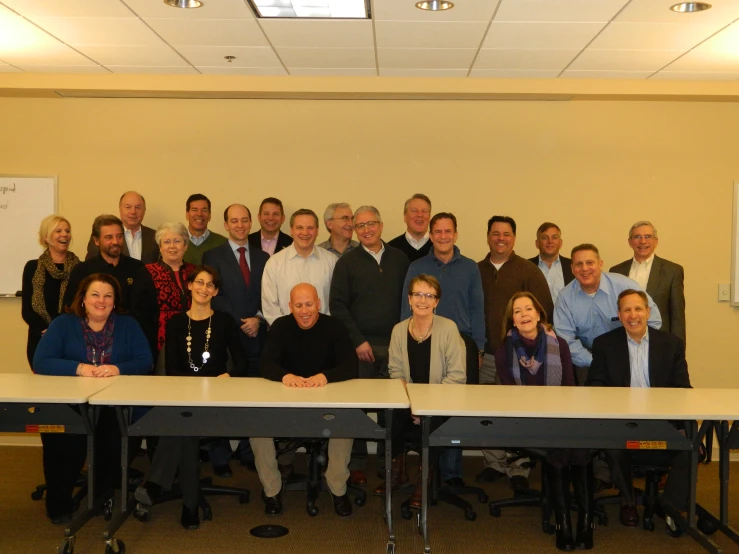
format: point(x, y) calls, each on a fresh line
point(198, 344)
point(159, 291)
point(425, 348)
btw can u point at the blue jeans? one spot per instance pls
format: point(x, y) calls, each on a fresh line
point(450, 463)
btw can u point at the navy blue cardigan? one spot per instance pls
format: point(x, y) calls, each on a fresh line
point(62, 347)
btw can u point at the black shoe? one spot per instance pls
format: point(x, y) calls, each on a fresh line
point(147, 493)
point(223, 471)
point(342, 505)
point(61, 519)
point(629, 516)
point(488, 475)
point(272, 504)
point(455, 483)
point(190, 519)
point(519, 483)
point(599, 485)
point(249, 464)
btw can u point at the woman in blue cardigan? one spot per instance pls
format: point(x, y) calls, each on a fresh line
point(91, 341)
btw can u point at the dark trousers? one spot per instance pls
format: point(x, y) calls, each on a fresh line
point(173, 454)
point(406, 433)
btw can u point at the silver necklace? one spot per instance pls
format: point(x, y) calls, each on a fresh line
point(425, 335)
point(188, 338)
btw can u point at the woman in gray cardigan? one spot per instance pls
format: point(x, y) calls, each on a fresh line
point(425, 348)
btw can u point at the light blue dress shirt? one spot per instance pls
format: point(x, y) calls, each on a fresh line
point(639, 360)
point(580, 318)
point(554, 276)
point(235, 247)
point(197, 241)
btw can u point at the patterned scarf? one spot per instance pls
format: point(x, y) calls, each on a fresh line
point(99, 344)
point(546, 356)
point(46, 265)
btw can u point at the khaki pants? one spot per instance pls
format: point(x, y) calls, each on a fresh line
point(337, 471)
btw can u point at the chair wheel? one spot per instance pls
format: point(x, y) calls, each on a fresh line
point(312, 511)
point(494, 511)
point(360, 501)
point(482, 498)
point(115, 546)
point(142, 512)
point(647, 525)
point(707, 526)
point(207, 513)
point(405, 513)
point(548, 528)
point(38, 494)
point(243, 498)
point(470, 515)
point(67, 546)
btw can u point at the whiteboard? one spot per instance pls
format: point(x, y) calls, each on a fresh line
point(24, 202)
point(735, 249)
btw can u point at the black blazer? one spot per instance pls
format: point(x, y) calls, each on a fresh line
point(611, 366)
point(233, 297)
point(149, 247)
point(665, 286)
point(566, 267)
point(283, 241)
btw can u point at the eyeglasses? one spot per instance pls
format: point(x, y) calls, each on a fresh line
point(176, 242)
point(210, 285)
point(344, 218)
point(639, 237)
point(369, 225)
point(426, 295)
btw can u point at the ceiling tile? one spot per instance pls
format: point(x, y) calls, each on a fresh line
point(413, 34)
point(162, 56)
point(214, 56)
point(213, 9)
point(69, 8)
point(577, 74)
point(524, 35)
point(327, 57)
point(50, 54)
point(624, 60)
point(333, 71)
point(153, 70)
point(315, 33)
point(425, 58)
point(724, 42)
point(66, 69)
point(78, 31)
point(651, 11)
point(209, 32)
point(652, 36)
point(696, 75)
point(559, 10)
point(514, 73)
point(456, 73)
point(525, 59)
point(405, 10)
point(263, 71)
point(705, 61)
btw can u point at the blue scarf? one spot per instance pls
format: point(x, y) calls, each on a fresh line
point(546, 356)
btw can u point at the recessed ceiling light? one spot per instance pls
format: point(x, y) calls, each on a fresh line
point(435, 5)
point(311, 9)
point(690, 7)
point(184, 3)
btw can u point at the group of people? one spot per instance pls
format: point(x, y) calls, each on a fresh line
point(280, 306)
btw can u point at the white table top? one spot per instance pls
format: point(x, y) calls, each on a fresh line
point(50, 389)
point(569, 402)
point(250, 392)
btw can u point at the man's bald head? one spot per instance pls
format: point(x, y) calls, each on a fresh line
point(305, 305)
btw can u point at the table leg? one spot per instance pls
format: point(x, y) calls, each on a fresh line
point(123, 413)
point(426, 431)
point(388, 480)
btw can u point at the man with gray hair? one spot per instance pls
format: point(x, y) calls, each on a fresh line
point(366, 294)
point(662, 279)
point(339, 219)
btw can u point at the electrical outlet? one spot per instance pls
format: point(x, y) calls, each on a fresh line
point(724, 292)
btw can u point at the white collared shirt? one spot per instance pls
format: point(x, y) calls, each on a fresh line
point(133, 241)
point(376, 255)
point(287, 268)
point(417, 244)
point(555, 278)
point(639, 272)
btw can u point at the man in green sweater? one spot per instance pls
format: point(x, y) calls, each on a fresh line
point(202, 239)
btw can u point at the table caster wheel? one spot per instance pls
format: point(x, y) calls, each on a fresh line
point(243, 498)
point(707, 526)
point(312, 511)
point(494, 511)
point(360, 501)
point(108, 509)
point(470, 515)
point(482, 498)
point(38, 494)
point(648, 525)
point(115, 546)
point(67, 546)
point(207, 513)
point(142, 512)
point(390, 548)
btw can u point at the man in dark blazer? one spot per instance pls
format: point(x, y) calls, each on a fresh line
point(662, 279)
point(132, 207)
point(270, 238)
point(557, 269)
point(243, 301)
point(636, 355)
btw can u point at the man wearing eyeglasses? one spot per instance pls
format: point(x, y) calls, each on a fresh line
point(339, 221)
point(366, 294)
point(662, 279)
point(415, 242)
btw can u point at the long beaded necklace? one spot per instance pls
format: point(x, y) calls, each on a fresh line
point(188, 338)
point(425, 335)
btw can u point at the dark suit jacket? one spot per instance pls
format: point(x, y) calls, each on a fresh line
point(149, 247)
point(665, 286)
point(283, 241)
point(233, 297)
point(566, 267)
point(611, 366)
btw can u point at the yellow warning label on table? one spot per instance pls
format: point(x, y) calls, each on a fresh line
point(45, 429)
point(646, 445)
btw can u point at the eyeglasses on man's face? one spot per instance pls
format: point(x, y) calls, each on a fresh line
point(426, 295)
point(368, 224)
point(344, 218)
point(639, 237)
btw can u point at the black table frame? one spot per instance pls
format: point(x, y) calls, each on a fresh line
point(551, 432)
point(226, 421)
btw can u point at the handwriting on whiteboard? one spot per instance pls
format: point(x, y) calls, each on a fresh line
point(7, 188)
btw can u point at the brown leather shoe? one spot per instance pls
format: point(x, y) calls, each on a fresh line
point(398, 476)
point(357, 477)
point(629, 516)
point(416, 500)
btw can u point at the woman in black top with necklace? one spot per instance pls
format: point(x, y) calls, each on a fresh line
point(198, 344)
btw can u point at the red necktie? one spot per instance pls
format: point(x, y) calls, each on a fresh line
point(244, 267)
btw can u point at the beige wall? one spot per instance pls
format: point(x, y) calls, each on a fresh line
point(592, 167)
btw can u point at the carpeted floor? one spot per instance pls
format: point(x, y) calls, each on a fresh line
point(25, 529)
